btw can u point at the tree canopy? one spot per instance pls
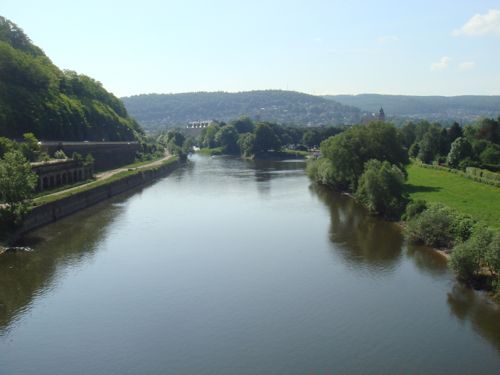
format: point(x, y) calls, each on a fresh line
point(37, 97)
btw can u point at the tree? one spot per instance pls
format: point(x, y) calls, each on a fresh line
point(460, 149)
point(430, 144)
point(381, 188)
point(17, 183)
point(30, 147)
point(265, 139)
point(454, 132)
point(246, 142)
point(349, 151)
point(243, 125)
point(207, 136)
point(227, 138)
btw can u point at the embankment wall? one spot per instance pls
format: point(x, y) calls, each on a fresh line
point(52, 211)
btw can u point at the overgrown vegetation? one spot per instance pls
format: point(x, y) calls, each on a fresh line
point(37, 97)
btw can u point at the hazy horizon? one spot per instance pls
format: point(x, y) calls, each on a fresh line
point(445, 48)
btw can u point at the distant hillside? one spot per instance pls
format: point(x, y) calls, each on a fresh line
point(37, 97)
point(459, 108)
point(154, 111)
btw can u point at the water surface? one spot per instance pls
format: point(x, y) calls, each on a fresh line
point(236, 267)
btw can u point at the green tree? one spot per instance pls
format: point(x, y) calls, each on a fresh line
point(349, 151)
point(227, 138)
point(243, 125)
point(246, 142)
point(207, 136)
point(460, 149)
point(381, 188)
point(265, 139)
point(429, 146)
point(17, 184)
point(30, 147)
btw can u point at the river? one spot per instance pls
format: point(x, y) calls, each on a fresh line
point(237, 267)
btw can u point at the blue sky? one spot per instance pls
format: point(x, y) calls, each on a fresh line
point(439, 47)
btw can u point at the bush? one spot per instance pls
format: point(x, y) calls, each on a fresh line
point(414, 208)
point(320, 171)
point(481, 251)
point(59, 154)
point(463, 261)
point(439, 226)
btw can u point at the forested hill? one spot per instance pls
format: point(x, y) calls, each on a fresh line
point(155, 111)
point(37, 97)
point(438, 108)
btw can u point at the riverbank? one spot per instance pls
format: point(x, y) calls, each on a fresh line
point(53, 207)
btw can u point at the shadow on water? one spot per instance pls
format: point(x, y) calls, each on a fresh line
point(358, 237)
point(27, 274)
point(483, 314)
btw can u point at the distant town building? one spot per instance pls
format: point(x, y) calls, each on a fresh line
point(198, 124)
point(381, 115)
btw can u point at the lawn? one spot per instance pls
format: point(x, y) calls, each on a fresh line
point(478, 200)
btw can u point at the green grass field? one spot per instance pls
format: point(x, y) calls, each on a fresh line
point(478, 200)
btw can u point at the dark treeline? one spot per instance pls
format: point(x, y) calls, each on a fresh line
point(37, 97)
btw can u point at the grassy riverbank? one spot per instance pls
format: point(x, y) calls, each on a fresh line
point(478, 200)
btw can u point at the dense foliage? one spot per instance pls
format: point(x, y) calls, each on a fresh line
point(348, 152)
point(476, 145)
point(37, 97)
point(381, 188)
point(248, 138)
point(17, 184)
point(157, 111)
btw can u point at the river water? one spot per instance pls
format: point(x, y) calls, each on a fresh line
point(236, 267)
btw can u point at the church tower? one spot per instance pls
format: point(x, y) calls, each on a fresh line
point(381, 115)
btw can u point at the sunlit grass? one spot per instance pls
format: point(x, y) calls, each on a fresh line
point(481, 201)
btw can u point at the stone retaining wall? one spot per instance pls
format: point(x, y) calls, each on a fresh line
point(52, 211)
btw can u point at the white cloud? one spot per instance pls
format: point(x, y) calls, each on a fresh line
point(481, 24)
point(442, 64)
point(386, 39)
point(466, 65)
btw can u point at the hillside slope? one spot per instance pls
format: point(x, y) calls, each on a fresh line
point(287, 107)
point(458, 108)
point(37, 97)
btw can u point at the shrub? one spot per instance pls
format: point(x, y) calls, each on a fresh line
point(59, 154)
point(320, 171)
point(478, 252)
point(463, 261)
point(439, 226)
point(414, 208)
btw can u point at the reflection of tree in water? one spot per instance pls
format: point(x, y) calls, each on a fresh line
point(358, 237)
point(25, 275)
point(427, 260)
point(484, 315)
point(266, 170)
